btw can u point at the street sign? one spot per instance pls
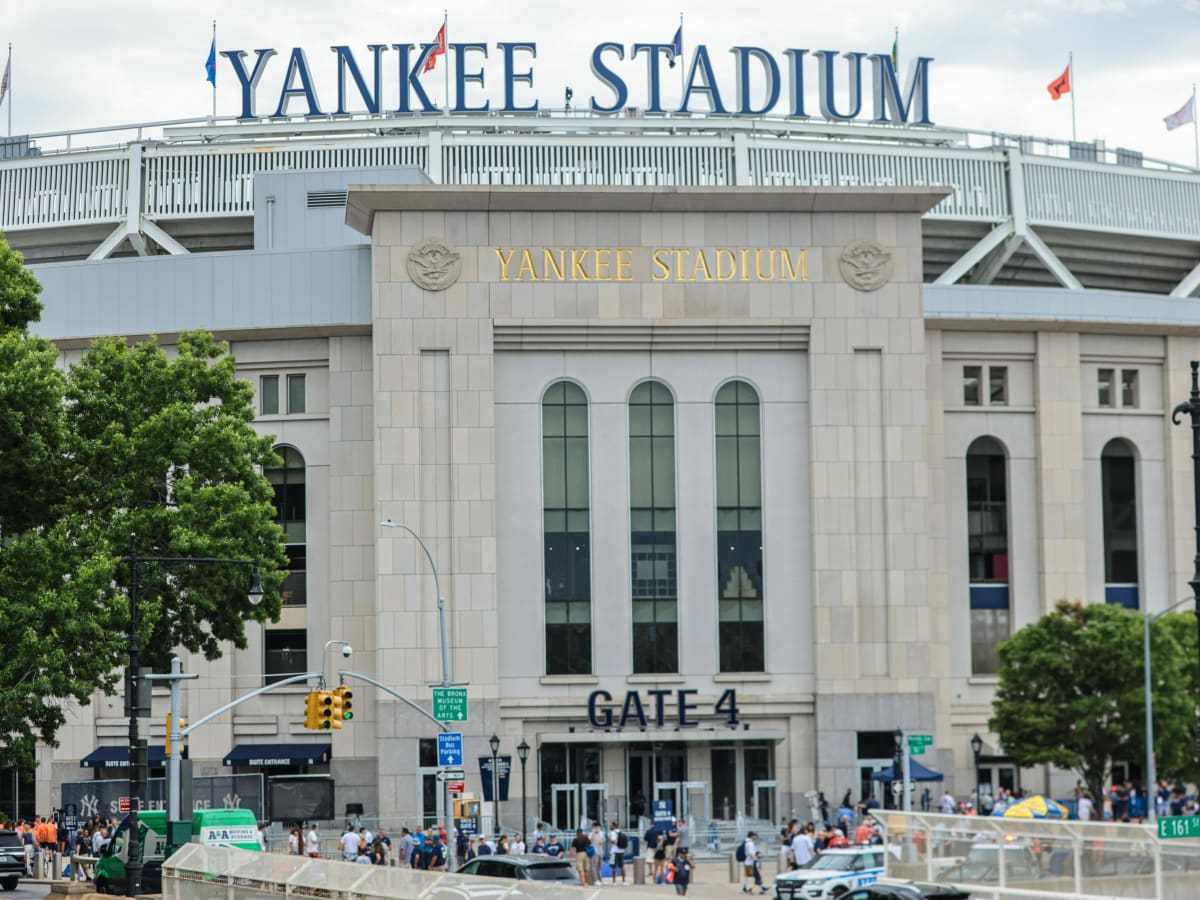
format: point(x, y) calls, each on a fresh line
point(450, 704)
point(918, 742)
point(450, 749)
point(451, 774)
point(456, 787)
point(1179, 827)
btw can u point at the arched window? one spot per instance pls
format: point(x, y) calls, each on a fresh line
point(739, 529)
point(654, 585)
point(1118, 477)
point(987, 543)
point(290, 515)
point(566, 530)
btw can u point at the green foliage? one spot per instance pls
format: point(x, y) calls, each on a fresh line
point(19, 291)
point(1071, 692)
point(126, 444)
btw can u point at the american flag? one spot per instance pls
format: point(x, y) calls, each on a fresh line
point(4, 80)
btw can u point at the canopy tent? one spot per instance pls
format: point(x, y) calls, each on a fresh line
point(1035, 807)
point(916, 772)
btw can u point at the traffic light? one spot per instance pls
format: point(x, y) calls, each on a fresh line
point(325, 711)
point(312, 717)
point(345, 700)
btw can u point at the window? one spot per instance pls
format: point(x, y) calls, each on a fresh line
point(1129, 388)
point(285, 653)
point(998, 385)
point(972, 376)
point(295, 387)
point(1104, 388)
point(566, 530)
point(290, 514)
point(739, 529)
point(1118, 476)
point(652, 528)
point(268, 394)
point(987, 548)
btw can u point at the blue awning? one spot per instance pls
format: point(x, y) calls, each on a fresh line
point(278, 755)
point(118, 757)
point(916, 772)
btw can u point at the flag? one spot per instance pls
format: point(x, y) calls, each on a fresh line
point(210, 66)
point(440, 40)
point(896, 49)
point(4, 80)
point(1060, 85)
point(677, 46)
point(1185, 115)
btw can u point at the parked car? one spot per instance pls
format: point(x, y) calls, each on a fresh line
point(12, 860)
point(832, 874)
point(523, 867)
point(907, 890)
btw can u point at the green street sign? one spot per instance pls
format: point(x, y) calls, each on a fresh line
point(450, 704)
point(918, 742)
point(1179, 827)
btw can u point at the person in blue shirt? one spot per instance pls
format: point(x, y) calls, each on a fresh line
point(554, 848)
point(539, 846)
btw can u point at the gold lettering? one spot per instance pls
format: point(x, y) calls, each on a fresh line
point(726, 255)
point(603, 259)
point(550, 264)
point(801, 266)
point(527, 266)
point(745, 264)
point(662, 266)
point(578, 273)
point(758, 265)
point(504, 261)
point(624, 261)
point(679, 254)
point(701, 263)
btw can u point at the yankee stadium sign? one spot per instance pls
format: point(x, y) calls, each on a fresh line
point(755, 82)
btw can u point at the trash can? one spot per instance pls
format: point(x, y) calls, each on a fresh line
point(639, 870)
point(735, 868)
point(782, 865)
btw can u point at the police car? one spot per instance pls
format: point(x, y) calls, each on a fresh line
point(832, 874)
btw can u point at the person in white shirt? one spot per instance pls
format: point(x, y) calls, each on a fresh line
point(312, 842)
point(947, 804)
point(349, 845)
point(750, 868)
point(518, 844)
point(1085, 809)
point(802, 848)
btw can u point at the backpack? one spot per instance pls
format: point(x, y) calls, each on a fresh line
point(622, 840)
point(740, 853)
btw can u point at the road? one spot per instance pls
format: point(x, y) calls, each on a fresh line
point(26, 890)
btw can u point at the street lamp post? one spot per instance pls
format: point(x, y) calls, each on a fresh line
point(897, 767)
point(523, 756)
point(495, 745)
point(137, 746)
point(1192, 408)
point(1151, 775)
point(976, 750)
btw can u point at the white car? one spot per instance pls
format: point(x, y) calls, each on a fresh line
point(831, 874)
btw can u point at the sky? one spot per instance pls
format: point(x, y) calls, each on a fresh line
point(83, 65)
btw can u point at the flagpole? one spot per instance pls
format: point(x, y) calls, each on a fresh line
point(214, 105)
point(446, 55)
point(1071, 70)
point(8, 69)
point(682, 72)
point(1195, 127)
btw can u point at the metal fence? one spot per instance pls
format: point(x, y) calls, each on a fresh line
point(1020, 859)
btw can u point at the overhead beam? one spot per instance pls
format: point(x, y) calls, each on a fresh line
point(1188, 285)
point(1051, 262)
point(968, 260)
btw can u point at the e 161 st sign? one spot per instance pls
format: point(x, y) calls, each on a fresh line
point(1179, 827)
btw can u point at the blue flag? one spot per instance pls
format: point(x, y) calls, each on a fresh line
point(210, 67)
point(677, 46)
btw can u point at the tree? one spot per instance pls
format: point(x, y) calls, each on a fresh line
point(1071, 692)
point(127, 442)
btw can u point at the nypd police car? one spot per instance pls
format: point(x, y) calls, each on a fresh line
point(832, 874)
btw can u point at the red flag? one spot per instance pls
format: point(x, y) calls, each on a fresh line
point(440, 40)
point(1060, 85)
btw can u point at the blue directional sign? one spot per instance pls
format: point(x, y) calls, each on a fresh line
point(450, 748)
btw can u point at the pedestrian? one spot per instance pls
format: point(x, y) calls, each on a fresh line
point(683, 870)
point(660, 859)
point(405, 850)
point(579, 853)
point(518, 844)
point(802, 847)
point(349, 842)
point(618, 843)
point(502, 846)
point(312, 842)
point(683, 837)
point(948, 803)
point(362, 856)
point(596, 855)
point(751, 867)
point(554, 849)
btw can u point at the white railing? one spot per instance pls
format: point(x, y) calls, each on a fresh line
point(40, 192)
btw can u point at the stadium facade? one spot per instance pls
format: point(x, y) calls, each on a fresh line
point(738, 443)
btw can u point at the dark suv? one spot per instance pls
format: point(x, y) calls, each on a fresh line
point(525, 867)
point(12, 860)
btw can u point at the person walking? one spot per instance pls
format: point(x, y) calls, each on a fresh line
point(579, 853)
point(596, 858)
point(683, 837)
point(312, 842)
point(618, 843)
point(751, 866)
point(683, 870)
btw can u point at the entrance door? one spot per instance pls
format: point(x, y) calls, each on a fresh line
point(697, 806)
point(565, 804)
point(595, 803)
point(766, 799)
point(648, 765)
point(670, 790)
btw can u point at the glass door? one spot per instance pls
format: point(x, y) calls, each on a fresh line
point(697, 807)
point(671, 791)
point(594, 803)
point(766, 799)
point(565, 803)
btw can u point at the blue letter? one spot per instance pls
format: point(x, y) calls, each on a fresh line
point(346, 61)
point(633, 701)
point(609, 77)
point(770, 69)
point(250, 82)
point(510, 77)
point(298, 66)
point(658, 696)
point(412, 81)
point(890, 106)
point(605, 722)
point(652, 54)
point(708, 86)
point(796, 83)
point(461, 77)
point(825, 85)
point(684, 706)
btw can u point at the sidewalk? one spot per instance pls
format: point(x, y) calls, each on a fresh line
point(710, 881)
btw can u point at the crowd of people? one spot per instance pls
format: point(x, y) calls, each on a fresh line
point(46, 835)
